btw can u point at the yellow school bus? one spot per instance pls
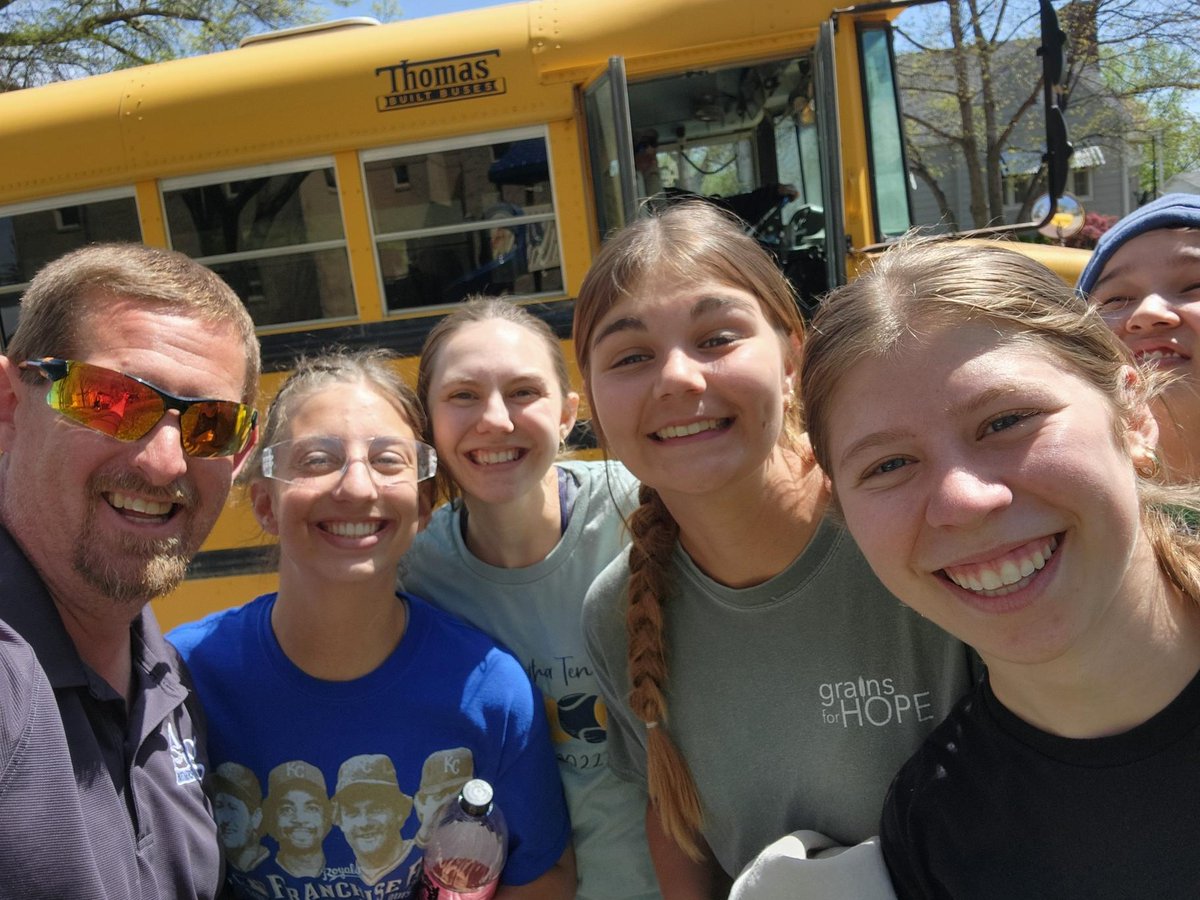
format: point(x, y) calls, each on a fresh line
point(353, 183)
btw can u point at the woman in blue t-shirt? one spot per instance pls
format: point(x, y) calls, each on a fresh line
point(351, 710)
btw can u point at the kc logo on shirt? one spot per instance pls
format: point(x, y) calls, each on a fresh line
point(183, 757)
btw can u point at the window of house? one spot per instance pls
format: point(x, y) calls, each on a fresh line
point(274, 233)
point(32, 235)
point(1079, 183)
point(473, 216)
point(1023, 166)
point(1015, 188)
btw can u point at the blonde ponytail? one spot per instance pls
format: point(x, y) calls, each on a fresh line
point(1170, 513)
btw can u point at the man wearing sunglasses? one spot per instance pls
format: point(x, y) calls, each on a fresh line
point(124, 415)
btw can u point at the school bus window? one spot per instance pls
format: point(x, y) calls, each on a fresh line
point(33, 235)
point(717, 169)
point(798, 130)
point(746, 138)
point(885, 136)
point(473, 219)
point(275, 234)
point(69, 218)
point(604, 141)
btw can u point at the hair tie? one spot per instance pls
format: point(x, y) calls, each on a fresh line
point(651, 724)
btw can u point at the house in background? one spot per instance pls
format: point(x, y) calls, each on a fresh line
point(1183, 183)
point(1104, 167)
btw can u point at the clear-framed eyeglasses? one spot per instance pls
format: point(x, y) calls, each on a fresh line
point(322, 461)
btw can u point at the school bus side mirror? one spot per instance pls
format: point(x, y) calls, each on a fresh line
point(1058, 147)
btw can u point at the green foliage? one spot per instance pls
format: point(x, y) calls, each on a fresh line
point(1158, 77)
point(1148, 65)
point(386, 10)
point(51, 40)
point(1174, 139)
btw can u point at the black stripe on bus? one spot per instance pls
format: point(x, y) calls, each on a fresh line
point(239, 561)
point(404, 336)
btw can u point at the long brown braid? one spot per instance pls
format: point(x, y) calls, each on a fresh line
point(654, 534)
point(688, 243)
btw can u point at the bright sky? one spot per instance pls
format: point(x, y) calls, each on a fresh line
point(410, 9)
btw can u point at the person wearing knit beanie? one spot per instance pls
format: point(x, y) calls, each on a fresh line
point(1144, 278)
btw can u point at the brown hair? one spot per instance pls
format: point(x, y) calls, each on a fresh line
point(687, 243)
point(921, 286)
point(65, 292)
point(336, 365)
point(479, 309)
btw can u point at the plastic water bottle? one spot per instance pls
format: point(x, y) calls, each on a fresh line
point(467, 847)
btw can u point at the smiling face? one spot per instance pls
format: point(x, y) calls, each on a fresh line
point(497, 409)
point(987, 487)
point(1149, 295)
point(345, 528)
point(301, 821)
point(372, 829)
point(688, 384)
point(105, 520)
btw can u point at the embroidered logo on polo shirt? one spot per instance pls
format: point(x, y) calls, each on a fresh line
point(183, 757)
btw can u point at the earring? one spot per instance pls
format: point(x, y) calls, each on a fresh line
point(1150, 467)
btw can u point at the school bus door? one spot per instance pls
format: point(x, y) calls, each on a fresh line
point(610, 147)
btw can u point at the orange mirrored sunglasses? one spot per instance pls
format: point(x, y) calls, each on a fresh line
point(127, 408)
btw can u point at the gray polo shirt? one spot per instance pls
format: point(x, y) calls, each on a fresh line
point(95, 802)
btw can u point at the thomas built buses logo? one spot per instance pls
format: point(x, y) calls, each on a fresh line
point(424, 81)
